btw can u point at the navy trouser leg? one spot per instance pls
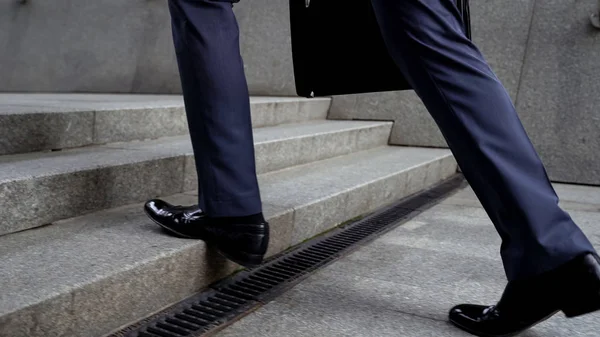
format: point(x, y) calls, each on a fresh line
point(481, 126)
point(206, 38)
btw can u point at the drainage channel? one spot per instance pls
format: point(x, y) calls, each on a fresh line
point(232, 298)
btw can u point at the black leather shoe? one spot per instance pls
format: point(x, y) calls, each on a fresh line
point(243, 242)
point(160, 210)
point(573, 288)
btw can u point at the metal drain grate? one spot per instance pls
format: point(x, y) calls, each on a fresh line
point(233, 297)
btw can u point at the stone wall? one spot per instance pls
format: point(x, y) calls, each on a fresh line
point(546, 53)
point(125, 46)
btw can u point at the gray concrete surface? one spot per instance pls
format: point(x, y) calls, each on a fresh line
point(108, 46)
point(127, 47)
point(89, 275)
point(404, 283)
point(558, 96)
point(36, 122)
point(39, 188)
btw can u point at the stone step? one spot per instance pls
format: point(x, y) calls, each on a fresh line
point(39, 188)
point(89, 275)
point(38, 122)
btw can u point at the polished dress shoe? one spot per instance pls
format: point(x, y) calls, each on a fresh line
point(573, 288)
point(244, 240)
point(160, 210)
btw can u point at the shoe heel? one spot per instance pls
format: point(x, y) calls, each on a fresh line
point(579, 306)
point(242, 258)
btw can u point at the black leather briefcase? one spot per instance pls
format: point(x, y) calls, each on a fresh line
point(337, 48)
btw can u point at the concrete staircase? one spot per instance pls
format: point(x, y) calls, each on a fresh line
point(77, 255)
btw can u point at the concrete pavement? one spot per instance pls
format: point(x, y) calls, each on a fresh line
point(404, 283)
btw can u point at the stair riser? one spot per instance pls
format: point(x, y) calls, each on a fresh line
point(42, 200)
point(98, 308)
point(271, 156)
point(22, 133)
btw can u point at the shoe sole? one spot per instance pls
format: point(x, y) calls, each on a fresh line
point(246, 260)
point(581, 306)
point(512, 334)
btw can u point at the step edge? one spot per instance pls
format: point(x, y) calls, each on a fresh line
point(134, 146)
point(254, 100)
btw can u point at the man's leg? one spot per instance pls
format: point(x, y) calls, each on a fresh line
point(481, 126)
point(217, 102)
point(206, 39)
